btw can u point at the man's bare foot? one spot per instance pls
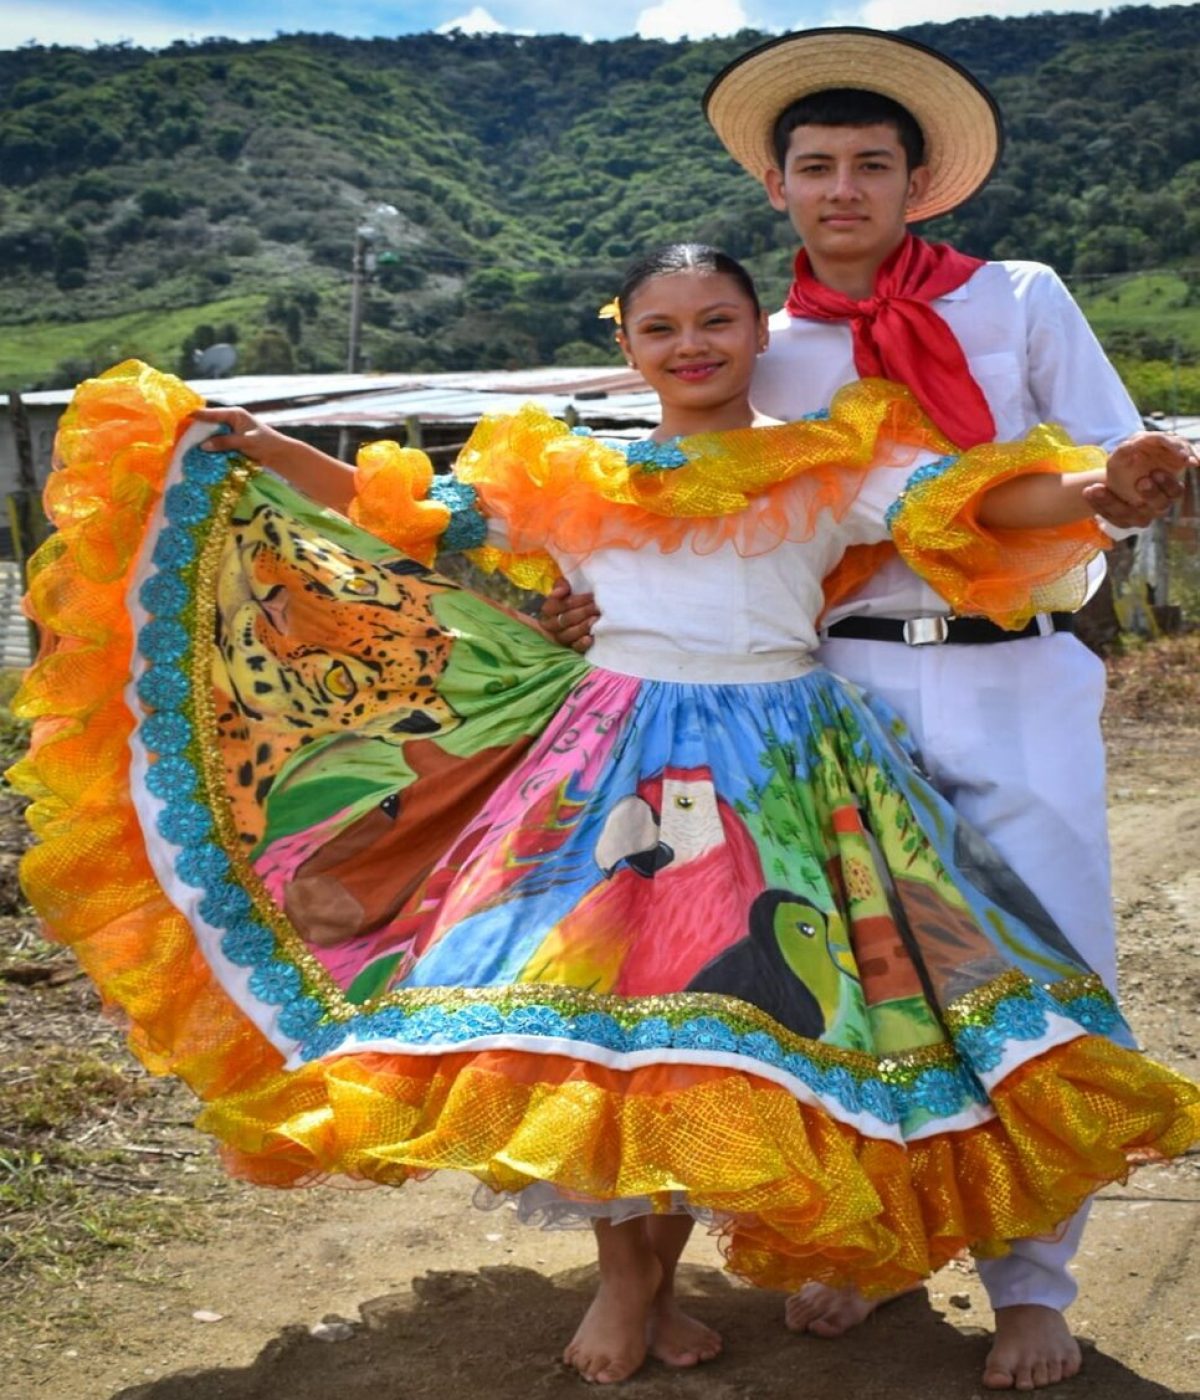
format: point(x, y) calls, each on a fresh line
point(678, 1339)
point(610, 1344)
point(1033, 1347)
point(827, 1312)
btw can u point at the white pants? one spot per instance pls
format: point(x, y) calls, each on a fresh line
point(1010, 734)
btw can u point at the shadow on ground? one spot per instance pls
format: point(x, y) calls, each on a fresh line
point(496, 1335)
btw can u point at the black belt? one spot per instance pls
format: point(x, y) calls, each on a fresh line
point(938, 631)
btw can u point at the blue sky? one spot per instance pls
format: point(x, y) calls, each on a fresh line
point(154, 23)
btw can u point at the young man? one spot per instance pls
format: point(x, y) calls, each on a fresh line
point(1008, 724)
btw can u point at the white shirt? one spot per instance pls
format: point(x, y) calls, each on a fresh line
point(1029, 349)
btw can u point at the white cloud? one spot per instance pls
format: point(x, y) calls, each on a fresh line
point(695, 19)
point(475, 21)
point(82, 25)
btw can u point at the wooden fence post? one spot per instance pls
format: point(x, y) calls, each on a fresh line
point(26, 517)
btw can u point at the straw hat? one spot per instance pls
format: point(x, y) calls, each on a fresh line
point(956, 113)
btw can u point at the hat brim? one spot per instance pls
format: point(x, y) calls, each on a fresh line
point(964, 135)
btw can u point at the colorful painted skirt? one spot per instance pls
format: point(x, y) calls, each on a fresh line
point(396, 885)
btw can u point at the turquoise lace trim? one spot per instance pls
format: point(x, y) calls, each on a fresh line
point(468, 526)
point(654, 456)
point(929, 472)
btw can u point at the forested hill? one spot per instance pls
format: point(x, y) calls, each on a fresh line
point(153, 201)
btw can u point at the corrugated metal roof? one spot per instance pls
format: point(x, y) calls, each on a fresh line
point(1186, 427)
point(602, 392)
point(612, 394)
point(257, 388)
point(459, 405)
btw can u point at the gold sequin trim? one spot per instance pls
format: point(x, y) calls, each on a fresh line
point(978, 1006)
point(1086, 984)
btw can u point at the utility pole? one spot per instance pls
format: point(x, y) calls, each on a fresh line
point(362, 265)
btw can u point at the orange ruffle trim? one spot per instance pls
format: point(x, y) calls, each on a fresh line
point(568, 494)
point(391, 484)
point(804, 1196)
point(1006, 575)
point(88, 877)
point(391, 489)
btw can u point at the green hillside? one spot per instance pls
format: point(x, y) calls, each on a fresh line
point(153, 202)
point(1150, 323)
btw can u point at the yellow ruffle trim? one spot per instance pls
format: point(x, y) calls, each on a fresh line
point(560, 493)
point(565, 494)
point(1006, 575)
point(537, 571)
point(805, 1196)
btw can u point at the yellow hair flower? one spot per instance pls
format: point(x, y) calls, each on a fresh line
point(610, 311)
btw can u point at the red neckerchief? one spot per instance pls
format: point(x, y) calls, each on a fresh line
point(899, 336)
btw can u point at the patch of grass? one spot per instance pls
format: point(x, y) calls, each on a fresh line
point(59, 1088)
point(63, 1202)
point(56, 1224)
point(31, 353)
point(78, 1190)
point(14, 733)
point(1160, 304)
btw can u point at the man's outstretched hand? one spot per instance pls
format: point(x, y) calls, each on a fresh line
point(1145, 480)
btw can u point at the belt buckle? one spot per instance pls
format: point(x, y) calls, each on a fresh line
point(926, 631)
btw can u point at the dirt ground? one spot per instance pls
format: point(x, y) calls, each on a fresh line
point(185, 1286)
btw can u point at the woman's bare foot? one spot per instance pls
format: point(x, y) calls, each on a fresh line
point(679, 1339)
point(830, 1312)
point(674, 1337)
point(827, 1312)
point(610, 1344)
point(1033, 1347)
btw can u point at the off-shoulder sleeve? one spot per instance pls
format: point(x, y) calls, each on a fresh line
point(931, 514)
point(753, 488)
point(398, 498)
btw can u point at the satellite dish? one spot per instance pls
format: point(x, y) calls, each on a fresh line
point(216, 361)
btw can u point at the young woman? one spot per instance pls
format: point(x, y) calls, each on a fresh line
point(675, 931)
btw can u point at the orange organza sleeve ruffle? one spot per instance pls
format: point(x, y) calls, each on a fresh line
point(1005, 575)
point(569, 495)
point(391, 490)
point(391, 500)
